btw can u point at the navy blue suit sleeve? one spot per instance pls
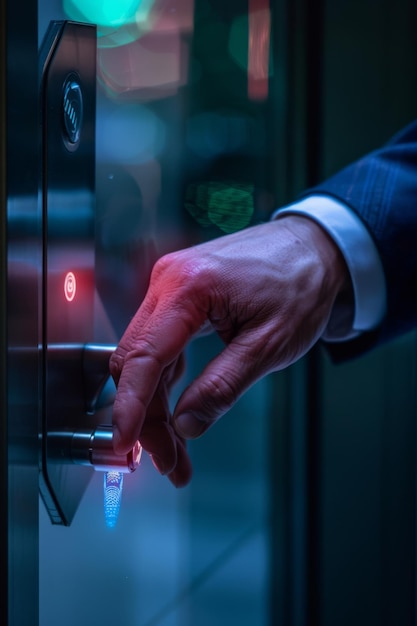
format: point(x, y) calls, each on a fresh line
point(382, 189)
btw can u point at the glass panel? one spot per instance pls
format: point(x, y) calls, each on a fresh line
point(181, 157)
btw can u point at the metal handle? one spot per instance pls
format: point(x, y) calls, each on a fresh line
point(93, 448)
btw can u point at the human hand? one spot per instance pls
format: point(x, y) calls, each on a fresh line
point(267, 291)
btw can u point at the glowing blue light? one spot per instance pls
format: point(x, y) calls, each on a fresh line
point(113, 486)
point(129, 134)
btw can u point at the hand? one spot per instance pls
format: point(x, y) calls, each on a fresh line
point(268, 292)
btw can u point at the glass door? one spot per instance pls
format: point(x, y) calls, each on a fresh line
point(181, 128)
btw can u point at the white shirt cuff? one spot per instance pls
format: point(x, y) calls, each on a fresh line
point(360, 253)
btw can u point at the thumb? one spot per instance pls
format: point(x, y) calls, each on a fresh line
point(216, 390)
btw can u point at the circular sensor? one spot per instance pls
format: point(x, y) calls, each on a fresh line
point(72, 110)
point(70, 286)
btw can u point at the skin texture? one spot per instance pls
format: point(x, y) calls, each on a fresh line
point(268, 291)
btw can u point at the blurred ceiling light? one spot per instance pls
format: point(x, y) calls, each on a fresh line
point(107, 13)
point(249, 46)
point(259, 49)
point(120, 22)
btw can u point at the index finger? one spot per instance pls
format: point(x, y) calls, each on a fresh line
point(152, 342)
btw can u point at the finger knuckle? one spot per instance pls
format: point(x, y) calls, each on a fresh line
point(185, 267)
point(219, 393)
point(161, 265)
point(116, 364)
point(144, 349)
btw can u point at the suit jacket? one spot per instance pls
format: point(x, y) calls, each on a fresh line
point(382, 189)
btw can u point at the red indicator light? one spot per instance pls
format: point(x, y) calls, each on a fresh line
point(70, 286)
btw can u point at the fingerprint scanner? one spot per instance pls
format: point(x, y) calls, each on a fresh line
point(72, 104)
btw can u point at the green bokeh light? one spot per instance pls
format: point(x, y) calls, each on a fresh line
point(238, 41)
point(227, 205)
point(238, 44)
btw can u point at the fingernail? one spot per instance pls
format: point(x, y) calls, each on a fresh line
point(189, 426)
point(117, 447)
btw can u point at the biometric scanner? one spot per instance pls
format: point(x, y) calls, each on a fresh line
point(78, 393)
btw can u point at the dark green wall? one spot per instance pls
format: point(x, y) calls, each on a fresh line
point(367, 422)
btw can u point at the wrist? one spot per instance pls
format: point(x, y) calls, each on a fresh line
point(338, 288)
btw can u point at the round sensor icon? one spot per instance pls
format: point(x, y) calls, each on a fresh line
point(72, 110)
point(70, 286)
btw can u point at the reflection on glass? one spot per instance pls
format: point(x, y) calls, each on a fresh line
point(259, 49)
point(149, 68)
point(142, 51)
point(249, 46)
point(176, 136)
point(229, 206)
point(105, 13)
